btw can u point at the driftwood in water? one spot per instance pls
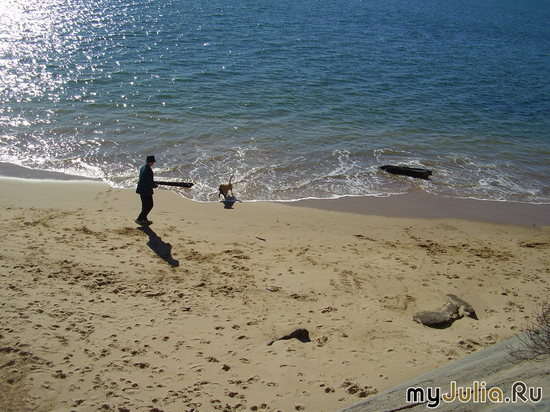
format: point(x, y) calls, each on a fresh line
point(407, 171)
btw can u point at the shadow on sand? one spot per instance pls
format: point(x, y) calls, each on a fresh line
point(162, 249)
point(229, 201)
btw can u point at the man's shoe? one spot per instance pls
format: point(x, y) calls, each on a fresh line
point(148, 222)
point(141, 222)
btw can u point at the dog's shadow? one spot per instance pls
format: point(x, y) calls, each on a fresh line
point(162, 249)
point(229, 201)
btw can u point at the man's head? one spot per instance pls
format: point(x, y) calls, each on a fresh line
point(150, 160)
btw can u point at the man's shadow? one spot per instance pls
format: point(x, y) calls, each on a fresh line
point(162, 249)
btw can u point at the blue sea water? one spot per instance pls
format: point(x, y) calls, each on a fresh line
point(297, 99)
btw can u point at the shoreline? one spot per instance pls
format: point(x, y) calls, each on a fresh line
point(421, 205)
point(11, 170)
point(178, 315)
point(424, 205)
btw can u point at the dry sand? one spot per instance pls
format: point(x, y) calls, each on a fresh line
point(98, 314)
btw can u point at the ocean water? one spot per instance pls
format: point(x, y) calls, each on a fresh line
point(296, 99)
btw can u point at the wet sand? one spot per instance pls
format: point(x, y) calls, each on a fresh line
point(428, 206)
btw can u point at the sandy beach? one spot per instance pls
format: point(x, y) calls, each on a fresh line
point(99, 314)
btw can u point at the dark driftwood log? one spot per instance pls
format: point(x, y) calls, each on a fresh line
point(407, 171)
point(177, 184)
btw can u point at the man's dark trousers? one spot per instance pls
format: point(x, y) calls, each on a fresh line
point(146, 206)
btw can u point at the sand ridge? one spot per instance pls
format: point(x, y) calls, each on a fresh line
point(98, 314)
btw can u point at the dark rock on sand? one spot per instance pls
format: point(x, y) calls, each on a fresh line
point(455, 309)
point(463, 306)
point(301, 334)
point(435, 319)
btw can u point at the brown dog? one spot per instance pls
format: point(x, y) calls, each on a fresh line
point(226, 188)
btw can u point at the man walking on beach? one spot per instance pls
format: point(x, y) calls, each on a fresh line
point(145, 187)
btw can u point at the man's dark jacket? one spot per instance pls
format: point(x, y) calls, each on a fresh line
point(146, 184)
